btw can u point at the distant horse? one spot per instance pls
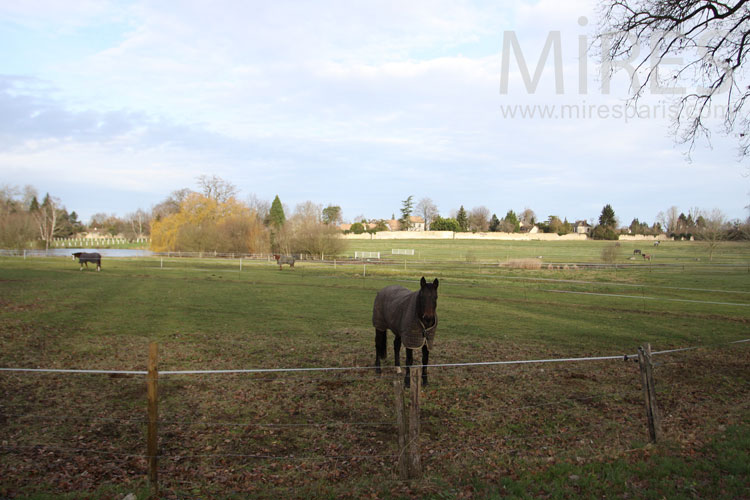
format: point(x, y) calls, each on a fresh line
point(84, 259)
point(637, 251)
point(657, 243)
point(646, 256)
point(284, 259)
point(412, 317)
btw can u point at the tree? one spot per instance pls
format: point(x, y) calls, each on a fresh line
point(216, 188)
point(203, 224)
point(45, 215)
point(309, 234)
point(713, 230)
point(528, 217)
point(137, 224)
point(494, 223)
point(276, 214)
point(17, 226)
point(462, 219)
point(447, 224)
point(607, 217)
point(332, 215)
point(511, 222)
point(428, 210)
point(406, 211)
point(479, 219)
point(711, 40)
point(171, 205)
point(357, 228)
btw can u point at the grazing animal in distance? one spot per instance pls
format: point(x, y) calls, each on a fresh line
point(637, 251)
point(84, 259)
point(284, 259)
point(646, 256)
point(412, 317)
point(657, 243)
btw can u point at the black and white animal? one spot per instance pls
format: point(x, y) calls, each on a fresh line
point(284, 259)
point(412, 317)
point(84, 259)
point(657, 243)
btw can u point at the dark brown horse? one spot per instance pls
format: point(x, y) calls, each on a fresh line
point(412, 317)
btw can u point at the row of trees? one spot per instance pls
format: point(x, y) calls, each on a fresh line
point(214, 220)
point(25, 219)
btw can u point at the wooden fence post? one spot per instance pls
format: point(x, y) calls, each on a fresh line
point(649, 392)
point(398, 392)
point(415, 463)
point(152, 380)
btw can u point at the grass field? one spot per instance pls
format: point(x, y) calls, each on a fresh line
point(556, 430)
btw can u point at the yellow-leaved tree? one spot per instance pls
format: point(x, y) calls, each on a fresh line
point(204, 224)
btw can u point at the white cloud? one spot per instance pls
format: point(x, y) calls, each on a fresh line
point(334, 101)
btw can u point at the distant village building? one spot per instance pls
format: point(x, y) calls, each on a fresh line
point(581, 227)
point(416, 224)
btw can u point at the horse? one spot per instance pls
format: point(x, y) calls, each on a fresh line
point(646, 256)
point(284, 259)
point(657, 243)
point(84, 259)
point(412, 317)
point(637, 251)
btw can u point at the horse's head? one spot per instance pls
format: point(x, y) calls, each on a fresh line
point(276, 256)
point(427, 302)
point(76, 255)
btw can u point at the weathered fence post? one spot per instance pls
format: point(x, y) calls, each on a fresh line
point(398, 392)
point(649, 392)
point(415, 463)
point(152, 379)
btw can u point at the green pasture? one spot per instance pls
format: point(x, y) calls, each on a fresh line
point(494, 432)
point(499, 251)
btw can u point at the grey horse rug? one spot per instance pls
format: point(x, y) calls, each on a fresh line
point(395, 308)
point(285, 259)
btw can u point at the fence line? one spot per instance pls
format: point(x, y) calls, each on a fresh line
point(625, 357)
point(553, 441)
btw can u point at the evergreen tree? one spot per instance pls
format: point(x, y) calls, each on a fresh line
point(276, 215)
point(462, 219)
point(607, 218)
point(494, 223)
point(407, 206)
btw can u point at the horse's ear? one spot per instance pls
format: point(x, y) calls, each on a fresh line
point(435, 283)
point(422, 282)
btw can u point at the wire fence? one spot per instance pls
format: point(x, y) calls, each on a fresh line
point(287, 431)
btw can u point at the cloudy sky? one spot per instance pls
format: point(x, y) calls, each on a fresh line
point(110, 106)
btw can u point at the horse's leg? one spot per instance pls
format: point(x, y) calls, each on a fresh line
point(380, 348)
point(425, 362)
point(409, 364)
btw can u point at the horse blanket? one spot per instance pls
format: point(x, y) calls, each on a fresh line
point(285, 259)
point(395, 308)
point(85, 258)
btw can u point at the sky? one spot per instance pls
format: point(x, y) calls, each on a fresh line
point(111, 106)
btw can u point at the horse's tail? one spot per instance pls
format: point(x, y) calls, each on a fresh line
point(380, 343)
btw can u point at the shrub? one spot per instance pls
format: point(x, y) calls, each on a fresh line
point(604, 233)
point(357, 228)
point(610, 254)
point(447, 224)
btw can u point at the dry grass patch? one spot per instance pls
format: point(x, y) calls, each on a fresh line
point(523, 264)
